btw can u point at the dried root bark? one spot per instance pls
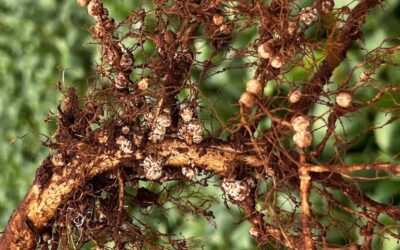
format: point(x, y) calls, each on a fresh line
point(39, 207)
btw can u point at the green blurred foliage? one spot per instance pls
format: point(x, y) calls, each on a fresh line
point(37, 42)
point(46, 41)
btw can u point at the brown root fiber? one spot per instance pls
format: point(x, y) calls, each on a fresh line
point(117, 149)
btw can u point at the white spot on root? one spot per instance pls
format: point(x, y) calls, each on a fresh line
point(309, 15)
point(190, 172)
point(192, 132)
point(301, 123)
point(58, 160)
point(186, 114)
point(343, 99)
point(254, 87)
point(124, 145)
point(152, 167)
point(295, 96)
point(236, 190)
point(302, 139)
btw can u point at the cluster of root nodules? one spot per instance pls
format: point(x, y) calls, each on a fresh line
point(148, 90)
